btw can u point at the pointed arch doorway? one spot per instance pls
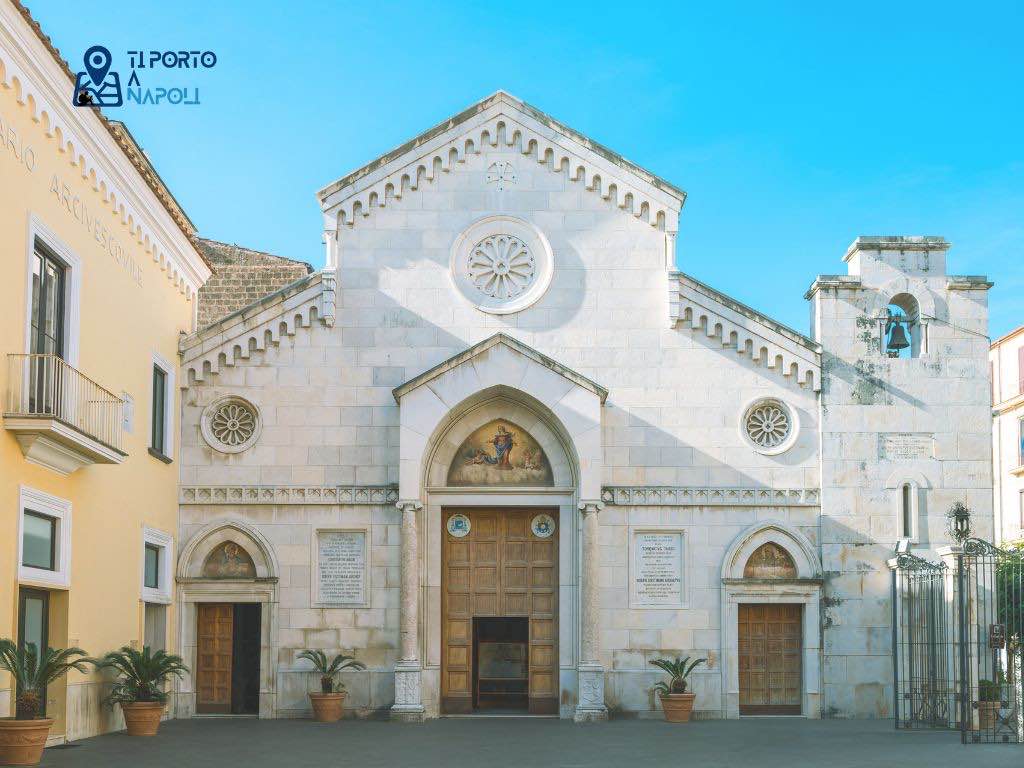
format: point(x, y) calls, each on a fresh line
point(771, 633)
point(227, 576)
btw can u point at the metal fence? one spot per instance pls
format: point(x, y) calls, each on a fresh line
point(957, 642)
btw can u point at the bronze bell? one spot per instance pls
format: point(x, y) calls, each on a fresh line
point(897, 336)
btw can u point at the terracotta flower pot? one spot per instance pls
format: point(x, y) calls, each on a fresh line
point(327, 707)
point(22, 741)
point(988, 714)
point(677, 707)
point(142, 718)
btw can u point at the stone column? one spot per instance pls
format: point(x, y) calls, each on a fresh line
point(590, 699)
point(408, 704)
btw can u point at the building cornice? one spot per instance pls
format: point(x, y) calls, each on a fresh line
point(672, 496)
point(968, 283)
point(833, 282)
point(385, 495)
point(103, 153)
point(1011, 335)
point(505, 121)
point(512, 343)
point(913, 243)
point(696, 306)
point(1006, 406)
point(311, 299)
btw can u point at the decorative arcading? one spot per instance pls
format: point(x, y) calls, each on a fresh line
point(29, 96)
point(504, 132)
point(288, 494)
point(649, 496)
point(206, 353)
point(688, 312)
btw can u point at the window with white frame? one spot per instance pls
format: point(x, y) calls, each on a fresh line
point(161, 444)
point(156, 566)
point(53, 295)
point(44, 538)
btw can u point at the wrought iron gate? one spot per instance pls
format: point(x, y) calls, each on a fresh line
point(924, 652)
point(990, 605)
point(958, 633)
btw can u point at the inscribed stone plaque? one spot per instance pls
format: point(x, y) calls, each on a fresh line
point(658, 569)
point(904, 446)
point(341, 567)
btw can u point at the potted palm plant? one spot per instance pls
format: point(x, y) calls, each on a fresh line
point(139, 685)
point(676, 701)
point(989, 700)
point(329, 704)
point(23, 737)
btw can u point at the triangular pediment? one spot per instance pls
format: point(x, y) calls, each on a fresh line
point(480, 349)
point(501, 120)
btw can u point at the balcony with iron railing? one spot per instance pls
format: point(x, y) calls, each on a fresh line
point(61, 418)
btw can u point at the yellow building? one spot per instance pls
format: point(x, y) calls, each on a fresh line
point(100, 275)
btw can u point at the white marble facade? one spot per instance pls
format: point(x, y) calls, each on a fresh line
point(502, 265)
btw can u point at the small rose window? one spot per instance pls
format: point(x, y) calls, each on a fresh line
point(231, 424)
point(769, 426)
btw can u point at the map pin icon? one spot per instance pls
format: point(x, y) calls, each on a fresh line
point(97, 63)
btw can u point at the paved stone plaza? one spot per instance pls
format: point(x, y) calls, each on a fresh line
point(498, 742)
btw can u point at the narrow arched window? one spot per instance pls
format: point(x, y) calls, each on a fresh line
point(907, 512)
point(903, 332)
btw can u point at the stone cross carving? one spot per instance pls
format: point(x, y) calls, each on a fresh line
point(501, 173)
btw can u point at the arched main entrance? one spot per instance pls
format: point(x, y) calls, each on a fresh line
point(227, 577)
point(501, 486)
point(454, 421)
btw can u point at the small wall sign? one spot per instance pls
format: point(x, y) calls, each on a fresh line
point(542, 526)
point(458, 526)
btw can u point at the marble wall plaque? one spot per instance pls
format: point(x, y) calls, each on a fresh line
point(657, 573)
point(905, 446)
point(341, 567)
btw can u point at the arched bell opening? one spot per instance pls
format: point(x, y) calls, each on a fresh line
point(904, 332)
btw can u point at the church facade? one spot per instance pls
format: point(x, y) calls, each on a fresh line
point(504, 452)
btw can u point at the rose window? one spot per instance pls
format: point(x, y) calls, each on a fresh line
point(231, 424)
point(769, 426)
point(501, 266)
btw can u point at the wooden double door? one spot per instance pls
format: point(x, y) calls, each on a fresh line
point(770, 649)
point(499, 606)
point(228, 658)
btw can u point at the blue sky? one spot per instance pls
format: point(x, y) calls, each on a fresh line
point(794, 127)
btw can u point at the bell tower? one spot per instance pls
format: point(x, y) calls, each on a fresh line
point(905, 433)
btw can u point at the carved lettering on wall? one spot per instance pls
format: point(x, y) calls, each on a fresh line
point(905, 446)
point(658, 561)
point(341, 567)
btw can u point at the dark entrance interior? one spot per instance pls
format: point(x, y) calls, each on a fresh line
point(501, 669)
point(228, 658)
point(245, 661)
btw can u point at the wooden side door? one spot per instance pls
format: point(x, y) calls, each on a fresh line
point(215, 637)
point(770, 646)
